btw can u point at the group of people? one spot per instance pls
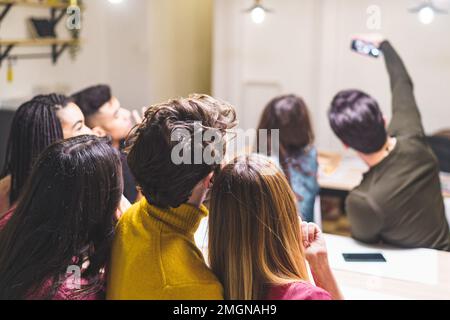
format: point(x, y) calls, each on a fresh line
point(85, 188)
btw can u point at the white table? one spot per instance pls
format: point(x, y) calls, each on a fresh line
point(407, 274)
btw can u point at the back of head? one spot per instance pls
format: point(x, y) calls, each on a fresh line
point(254, 229)
point(290, 115)
point(35, 126)
point(58, 101)
point(357, 120)
point(91, 99)
point(64, 217)
point(166, 182)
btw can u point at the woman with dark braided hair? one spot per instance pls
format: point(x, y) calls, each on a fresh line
point(57, 243)
point(36, 124)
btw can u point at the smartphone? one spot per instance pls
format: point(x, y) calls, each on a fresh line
point(364, 257)
point(366, 48)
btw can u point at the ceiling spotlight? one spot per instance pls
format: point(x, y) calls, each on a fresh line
point(427, 11)
point(258, 12)
point(426, 15)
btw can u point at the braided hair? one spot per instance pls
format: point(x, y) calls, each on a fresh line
point(35, 126)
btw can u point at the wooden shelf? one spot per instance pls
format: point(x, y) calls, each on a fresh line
point(35, 3)
point(38, 42)
point(58, 46)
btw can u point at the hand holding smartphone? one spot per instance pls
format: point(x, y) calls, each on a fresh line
point(368, 44)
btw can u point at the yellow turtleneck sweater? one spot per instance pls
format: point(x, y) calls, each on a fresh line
point(154, 256)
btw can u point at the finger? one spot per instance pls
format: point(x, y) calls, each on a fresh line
point(305, 233)
point(118, 214)
point(304, 227)
point(137, 118)
point(357, 36)
point(316, 233)
point(311, 232)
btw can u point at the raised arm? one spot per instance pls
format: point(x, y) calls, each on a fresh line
point(406, 118)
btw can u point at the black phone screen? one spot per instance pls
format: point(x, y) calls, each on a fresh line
point(364, 257)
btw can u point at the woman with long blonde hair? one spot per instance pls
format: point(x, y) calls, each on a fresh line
point(258, 246)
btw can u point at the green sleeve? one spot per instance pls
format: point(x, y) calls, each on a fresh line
point(406, 118)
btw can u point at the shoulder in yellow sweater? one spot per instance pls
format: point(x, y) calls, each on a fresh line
point(154, 256)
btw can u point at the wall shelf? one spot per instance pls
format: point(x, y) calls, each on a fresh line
point(36, 4)
point(58, 10)
point(53, 6)
point(38, 42)
point(58, 47)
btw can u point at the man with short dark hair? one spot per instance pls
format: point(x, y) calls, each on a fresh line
point(103, 112)
point(399, 201)
point(105, 116)
point(154, 254)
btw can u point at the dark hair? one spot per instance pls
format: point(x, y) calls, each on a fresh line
point(357, 120)
point(35, 126)
point(57, 100)
point(91, 99)
point(254, 231)
point(65, 217)
point(289, 114)
point(164, 183)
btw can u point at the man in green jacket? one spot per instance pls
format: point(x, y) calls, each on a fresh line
point(399, 201)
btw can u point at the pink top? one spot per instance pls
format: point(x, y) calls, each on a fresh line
point(297, 291)
point(68, 289)
point(5, 218)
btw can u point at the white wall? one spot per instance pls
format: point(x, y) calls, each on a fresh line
point(303, 48)
point(158, 49)
point(128, 53)
point(37, 76)
point(180, 47)
point(147, 50)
